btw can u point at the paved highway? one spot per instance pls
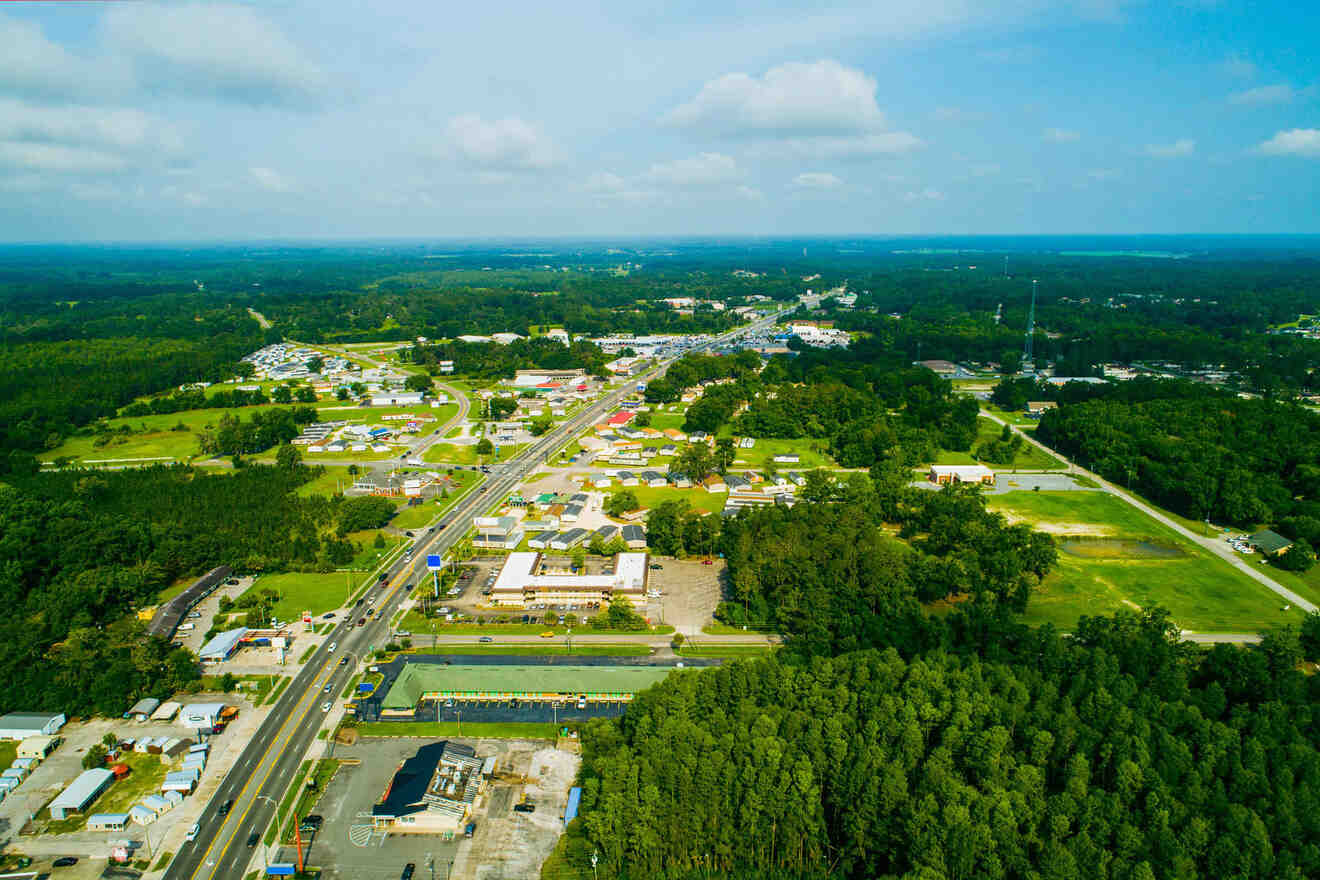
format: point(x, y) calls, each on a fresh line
point(263, 772)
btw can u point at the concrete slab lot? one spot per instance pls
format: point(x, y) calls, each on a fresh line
point(689, 592)
point(506, 844)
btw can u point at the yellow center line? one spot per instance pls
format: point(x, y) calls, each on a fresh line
point(266, 754)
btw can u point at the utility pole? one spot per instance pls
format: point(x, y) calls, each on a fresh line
point(1028, 359)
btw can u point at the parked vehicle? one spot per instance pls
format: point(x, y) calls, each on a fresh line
point(225, 808)
point(194, 831)
point(252, 839)
point(334, 645)
point(470, 829)
point(408, 870)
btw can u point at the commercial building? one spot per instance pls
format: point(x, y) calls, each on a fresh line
point(498, 532)
point(1270, 543)
point(944, 474)
point(202, 716)
point(143, 708)
point(81, 792)
point(107, 822)
point(398, 398)
point(420, 682)
point(21, 725)
point(524, 580)
point(222, 646)
point(170, 615)
point(434, 790)
point(533, 378)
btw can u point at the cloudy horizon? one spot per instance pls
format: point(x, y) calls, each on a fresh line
point(143, 121)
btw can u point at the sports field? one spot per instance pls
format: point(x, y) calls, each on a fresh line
point(1113, 556)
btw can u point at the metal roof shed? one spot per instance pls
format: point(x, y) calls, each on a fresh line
point(81, 792)
point(141, 815)
point(143, 708)
point(222, 646)
point(21, 725)
point(107, 821)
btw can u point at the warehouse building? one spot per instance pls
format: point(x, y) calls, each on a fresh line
point(421, 682)
point(21, 725)
point(222, 646)
point(525, 579)
point(81, 792)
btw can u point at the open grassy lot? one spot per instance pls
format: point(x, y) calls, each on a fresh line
point(697, 499)
point(1028, 458)
point(8, 752)
point(417, 515)
point(335, 479)
point(510, 730)
point(663, 421)
point(300, 591)
point(151, 436)
point(452, 453)
point(1013, 418)
point(145, 774)
point(811, 454)
point(1127, 560)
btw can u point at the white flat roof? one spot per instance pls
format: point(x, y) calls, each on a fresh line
point(962, 470)
point(516, 575)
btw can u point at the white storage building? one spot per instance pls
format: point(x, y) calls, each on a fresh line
point(81, 792)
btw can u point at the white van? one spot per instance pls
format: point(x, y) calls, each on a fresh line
point(187, 627)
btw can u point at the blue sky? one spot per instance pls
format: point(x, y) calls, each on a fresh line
point(139, 121)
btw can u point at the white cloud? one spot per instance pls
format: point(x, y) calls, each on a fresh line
point(1281, 93)
point(818, 98)
point(1293, 142)
point(32, 65)
point(221, 50)
point(704, 170)
point(1060, 135)
point(929, 194)
point(817, 180)
point(1176, 150)
point(270, 180)
point(843, 147)
point(508, 144)
point(58, 158)
point(112, 128)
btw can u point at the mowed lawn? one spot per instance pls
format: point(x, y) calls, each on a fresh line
point(307, 591)
point(1201, 592)
point(651, 497)
point(158, 440)
point(811, 454)
point(1029, 457)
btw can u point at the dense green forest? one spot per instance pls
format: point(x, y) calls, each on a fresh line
point(884, 741)
point(1197, 451)
point(80, 550)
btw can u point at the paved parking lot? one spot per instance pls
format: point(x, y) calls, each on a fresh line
point(513, 710)
point(689, 592)
point(1007, 481)
point(348, 847)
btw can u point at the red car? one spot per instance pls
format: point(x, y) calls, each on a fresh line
point(708, 562)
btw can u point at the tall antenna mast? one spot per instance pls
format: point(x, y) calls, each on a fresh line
point(1028, 361)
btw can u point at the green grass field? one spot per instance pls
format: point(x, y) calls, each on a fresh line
point(663, 421)
point(335, 478)
point(422, 645)
point(452, 453)
point(300, 591)
point(725, 650)
point(512, 730)
point(811, 454)
point(697, 499)
point(1028, 458)
point(1202, 592)
point(8, 752)
point(419, 626)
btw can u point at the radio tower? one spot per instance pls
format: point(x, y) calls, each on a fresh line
point(1028, 362)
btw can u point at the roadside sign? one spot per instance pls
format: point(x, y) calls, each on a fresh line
point(434, 562)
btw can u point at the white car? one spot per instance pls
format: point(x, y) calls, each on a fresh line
point(325, 707)
point(194, 831)
point(333, 645)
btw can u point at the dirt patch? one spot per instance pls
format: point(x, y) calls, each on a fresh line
point(1059, 528)
point(1118, 548)
point(509, 844)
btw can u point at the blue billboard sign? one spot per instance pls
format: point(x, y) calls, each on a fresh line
point(434, 562)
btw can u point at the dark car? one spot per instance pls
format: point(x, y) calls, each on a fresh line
point(362, 621)
point(655, 566)
point(343, 661)
point(408, 870)
point(524, 808)
point(252, 839)
point(225, 808)
point(310, 822)
point(70, 861)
